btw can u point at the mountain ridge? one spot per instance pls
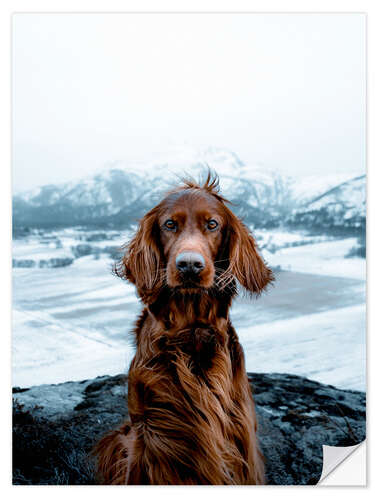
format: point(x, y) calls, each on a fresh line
point(118, 197)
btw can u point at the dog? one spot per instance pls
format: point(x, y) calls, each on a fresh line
point(192, 415)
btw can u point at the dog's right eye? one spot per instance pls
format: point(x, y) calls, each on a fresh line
point(170, 225)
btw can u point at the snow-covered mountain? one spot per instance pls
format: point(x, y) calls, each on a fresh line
point(341, 206)
point(121, 193)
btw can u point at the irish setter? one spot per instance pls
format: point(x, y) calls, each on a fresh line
point(192, 416)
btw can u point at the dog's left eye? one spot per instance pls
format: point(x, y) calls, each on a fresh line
point(170, 224)
point(212, 224)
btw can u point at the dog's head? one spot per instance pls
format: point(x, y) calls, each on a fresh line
point(192, 241)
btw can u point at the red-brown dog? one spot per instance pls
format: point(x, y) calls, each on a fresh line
point(192, 416)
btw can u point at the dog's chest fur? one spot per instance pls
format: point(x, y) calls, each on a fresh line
point(185, 383)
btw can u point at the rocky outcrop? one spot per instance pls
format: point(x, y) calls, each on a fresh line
point(56, 426)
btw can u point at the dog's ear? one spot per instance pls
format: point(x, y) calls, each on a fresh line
point(141, 263)
point(244, 260)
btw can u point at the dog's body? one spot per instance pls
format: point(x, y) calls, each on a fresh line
point(192, 416)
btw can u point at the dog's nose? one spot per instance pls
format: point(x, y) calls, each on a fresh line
point(190, 262)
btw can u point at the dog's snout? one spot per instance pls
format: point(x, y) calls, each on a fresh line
point(190, 262)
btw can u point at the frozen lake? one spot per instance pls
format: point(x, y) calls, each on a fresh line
point(74, 322)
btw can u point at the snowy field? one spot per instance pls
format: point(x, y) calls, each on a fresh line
point(74, 322)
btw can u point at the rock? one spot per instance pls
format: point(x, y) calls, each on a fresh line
point(56, 426)
point(81, 250)
point(52, 263)
point(23, 263)
point(296, 416)
point(56, 262)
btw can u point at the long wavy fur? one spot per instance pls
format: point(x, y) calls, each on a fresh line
point(192, 416)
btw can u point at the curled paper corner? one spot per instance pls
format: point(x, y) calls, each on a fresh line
point(353, 470)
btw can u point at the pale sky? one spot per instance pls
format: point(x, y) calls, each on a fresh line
point(286, 91)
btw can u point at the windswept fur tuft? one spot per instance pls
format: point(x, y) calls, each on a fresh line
point(208, 183)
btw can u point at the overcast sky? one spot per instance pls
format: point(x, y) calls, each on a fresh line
point(283, 90)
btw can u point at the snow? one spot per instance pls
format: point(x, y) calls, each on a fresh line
point(165, 166)
point(46, 352)
point(35, 251)
point(327, 258)
point(279, 237)
point(329, 347)
point(74, 323)
point(309, 187)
